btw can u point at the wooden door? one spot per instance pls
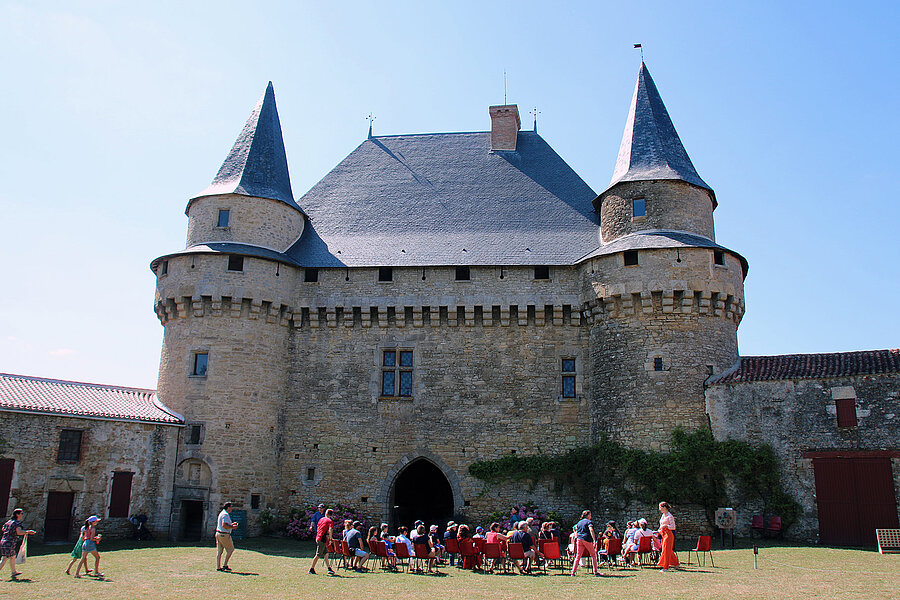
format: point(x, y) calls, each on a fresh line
point(855, 496)
point(58, 522)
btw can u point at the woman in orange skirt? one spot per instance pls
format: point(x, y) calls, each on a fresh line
point(667, 557)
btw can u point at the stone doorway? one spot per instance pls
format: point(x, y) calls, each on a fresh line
point(58, 519)
point(421, 491)
point(191, 520)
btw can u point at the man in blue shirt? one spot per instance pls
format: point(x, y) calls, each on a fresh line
point(354, 540)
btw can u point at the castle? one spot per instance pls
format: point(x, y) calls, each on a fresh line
point(440, 299)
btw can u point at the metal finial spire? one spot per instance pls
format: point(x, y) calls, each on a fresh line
point(642, 51)
point(504, 87)
point(535, 112)
point(370, 119)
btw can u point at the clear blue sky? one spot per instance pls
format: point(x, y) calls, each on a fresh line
point(116, 113)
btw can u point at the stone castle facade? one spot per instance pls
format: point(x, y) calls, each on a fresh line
point(440, 299)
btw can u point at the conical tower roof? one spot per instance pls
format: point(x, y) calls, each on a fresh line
point(257, 164)
point(651, 148)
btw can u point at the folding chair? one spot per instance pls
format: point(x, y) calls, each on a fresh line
point(467, 551)
point(757, 524)
point(774, 527)
point(348, 556)
point(403, 555)
point(493, 553)
point(704, 544)
point(422, 551)
point(612, 552)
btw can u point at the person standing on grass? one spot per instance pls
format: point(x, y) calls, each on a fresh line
point(585, 542)
point(12, 529)
point(323, 537)
point(667, 556)
point(77, 550)
point(224, 527)
point(89, 547)
point(314, 520)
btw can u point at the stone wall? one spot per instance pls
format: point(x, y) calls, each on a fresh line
point(147, 450)
point(259, 221)
point(798, 416)
point(669, 205)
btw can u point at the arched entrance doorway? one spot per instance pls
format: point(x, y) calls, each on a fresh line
point(421, 492)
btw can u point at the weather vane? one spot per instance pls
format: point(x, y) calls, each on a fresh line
point(370, 119)
point(642, 51)
point(535, 112)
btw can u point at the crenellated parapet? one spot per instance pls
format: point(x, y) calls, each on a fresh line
point(332, 315)
point(674, 298)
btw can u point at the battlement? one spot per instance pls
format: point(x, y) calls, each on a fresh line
point(678, 298)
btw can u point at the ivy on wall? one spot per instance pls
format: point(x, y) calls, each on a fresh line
point(697, 470)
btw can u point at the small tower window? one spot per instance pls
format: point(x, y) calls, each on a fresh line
point(164, 268)
point(638, 208)
point(310, 275)
point(194, 434)
point(385, 274)
point(224, 214)
point(311, 474)
point(542, 272)
point(463, 274)
point(631, 258)
point(254, 501)
point(657, 363)
point(201, 362)
point(719, 257)
point(235, 263)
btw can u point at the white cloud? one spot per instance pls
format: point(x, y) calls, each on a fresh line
point(62, 352)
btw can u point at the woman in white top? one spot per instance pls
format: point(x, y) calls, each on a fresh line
point(667, 557)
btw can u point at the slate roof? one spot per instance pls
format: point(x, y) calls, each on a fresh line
point(89, 400)
point(651, 148)
point(811, 366)
point(661, 238)
point(257, 164)
point(446, 199)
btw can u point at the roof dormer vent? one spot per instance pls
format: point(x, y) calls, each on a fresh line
point(505, 125)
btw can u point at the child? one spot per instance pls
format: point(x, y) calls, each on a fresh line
point(89, 546)
point(76, 552)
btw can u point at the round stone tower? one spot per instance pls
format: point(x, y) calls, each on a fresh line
point(665, 299)
point(224, 304)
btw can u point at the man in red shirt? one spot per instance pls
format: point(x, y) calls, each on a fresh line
point(323, 536)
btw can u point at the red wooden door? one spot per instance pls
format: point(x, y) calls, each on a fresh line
point(855, 496)
point(120, 496)
point(6, 474)
point(58, 522)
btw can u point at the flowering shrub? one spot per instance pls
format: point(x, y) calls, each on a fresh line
point(300, 528)
point(521, 512)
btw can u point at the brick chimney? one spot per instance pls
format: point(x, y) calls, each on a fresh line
point(505, 125)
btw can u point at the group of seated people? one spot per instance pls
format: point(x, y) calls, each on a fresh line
point(492, 545)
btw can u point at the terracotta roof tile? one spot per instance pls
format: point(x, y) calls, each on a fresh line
point(71, 398)
point(811, 366)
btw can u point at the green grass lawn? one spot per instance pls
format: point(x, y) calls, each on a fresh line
point(276, 568)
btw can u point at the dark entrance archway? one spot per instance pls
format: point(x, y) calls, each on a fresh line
point(421, 492)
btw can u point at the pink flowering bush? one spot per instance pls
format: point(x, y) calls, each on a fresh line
point(520, 512)
point(299, 521)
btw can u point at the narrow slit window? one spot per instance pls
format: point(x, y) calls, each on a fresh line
point(254, 501)
point(631, 258)
point(657, 363)
point(224, 215)
point(194, 434)
point(311, 474)
point(568, 377)
point(164, 268)
point(719, 257)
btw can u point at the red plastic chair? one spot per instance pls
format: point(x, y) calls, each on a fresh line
point(403, 555)
point(757, 523)
point(493, 553)
point(516, 552)
point(550, 550)
point(479, 544)
point(422, 551)
point(348, 556)
point(645, 546)
point(704, 544)
point(451, 546)
point(613, 550)
point(468, 554)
